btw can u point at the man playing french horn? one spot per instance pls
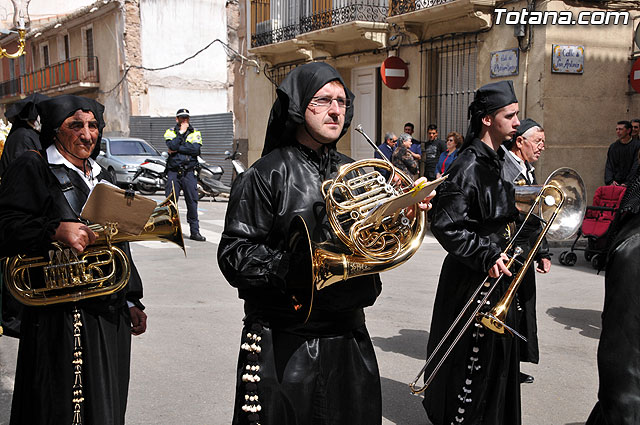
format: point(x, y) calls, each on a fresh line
point(73, 358)
point(294, 371)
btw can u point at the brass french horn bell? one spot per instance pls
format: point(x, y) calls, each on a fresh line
point(366, 247)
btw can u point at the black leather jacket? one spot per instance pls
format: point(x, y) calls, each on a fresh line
point(264, 200)
point(474, 207)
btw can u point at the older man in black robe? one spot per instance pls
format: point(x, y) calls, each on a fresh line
point(41, 196)
point(518, 156)
point(478, 383)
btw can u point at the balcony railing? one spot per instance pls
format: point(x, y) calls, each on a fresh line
point(279, 20)
point(399, 7)
point(73, 71)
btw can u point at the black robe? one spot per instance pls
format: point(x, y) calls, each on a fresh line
point(619, 347)
point(324, 369)
point(21, 138)
point(31, 207)
point(478, 383)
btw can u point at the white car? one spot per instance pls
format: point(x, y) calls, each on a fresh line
point(121, 157)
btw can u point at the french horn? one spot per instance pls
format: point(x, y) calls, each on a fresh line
point(368, 246)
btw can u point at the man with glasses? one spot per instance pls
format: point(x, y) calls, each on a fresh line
point(291, 370)
point(387, 147)
point(518, 155)
point(622, 156)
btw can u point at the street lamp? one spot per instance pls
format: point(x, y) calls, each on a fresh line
point(21, 22)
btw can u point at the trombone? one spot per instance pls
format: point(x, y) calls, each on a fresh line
point(564, 191)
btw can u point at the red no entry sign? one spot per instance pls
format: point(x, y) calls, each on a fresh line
point(635, 76)
point(394, 72)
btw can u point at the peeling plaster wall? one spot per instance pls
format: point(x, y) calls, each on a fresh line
point(580, 112)
point(258, 109)
point(171, 31)
point(136, 84)
point(107, 43)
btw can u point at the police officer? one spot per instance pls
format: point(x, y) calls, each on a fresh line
point(184, 142)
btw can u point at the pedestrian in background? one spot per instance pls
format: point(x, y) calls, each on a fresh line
point(403, 158)
point(432, 150)
point(622, 156)
point(454, 141)
point(416, 146)
point(386, 148)
point(184, 143)
point(635, 128)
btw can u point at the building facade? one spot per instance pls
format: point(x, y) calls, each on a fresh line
point(573, 79)
point(137, 57)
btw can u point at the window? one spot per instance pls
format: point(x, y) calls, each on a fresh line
point(12, 69)
point(131, 147)
point(66, 47)
point(449, 82)
point(89, 43)
point(22, 63)
point(45, 55)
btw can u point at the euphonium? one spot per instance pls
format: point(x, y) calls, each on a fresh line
point(369, 247)
point(101, 269)
point(559, 205)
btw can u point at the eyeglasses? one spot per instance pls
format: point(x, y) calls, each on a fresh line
point(325, 102)
point(539, 144)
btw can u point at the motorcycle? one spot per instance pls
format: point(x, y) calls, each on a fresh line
point(209, 183)
point(238, 166)
point(151, 176)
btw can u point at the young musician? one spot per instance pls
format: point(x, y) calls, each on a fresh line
point(478, 383)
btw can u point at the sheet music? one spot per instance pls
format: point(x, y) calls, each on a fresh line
point(390, 206)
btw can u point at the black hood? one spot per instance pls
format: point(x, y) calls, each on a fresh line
point(294, 95)
point(487, 99)
point(24, 109)
point(55, 110)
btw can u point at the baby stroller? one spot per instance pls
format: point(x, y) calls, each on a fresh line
point(595, 226)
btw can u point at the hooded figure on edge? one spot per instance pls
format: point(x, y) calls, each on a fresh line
point(619, 347)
